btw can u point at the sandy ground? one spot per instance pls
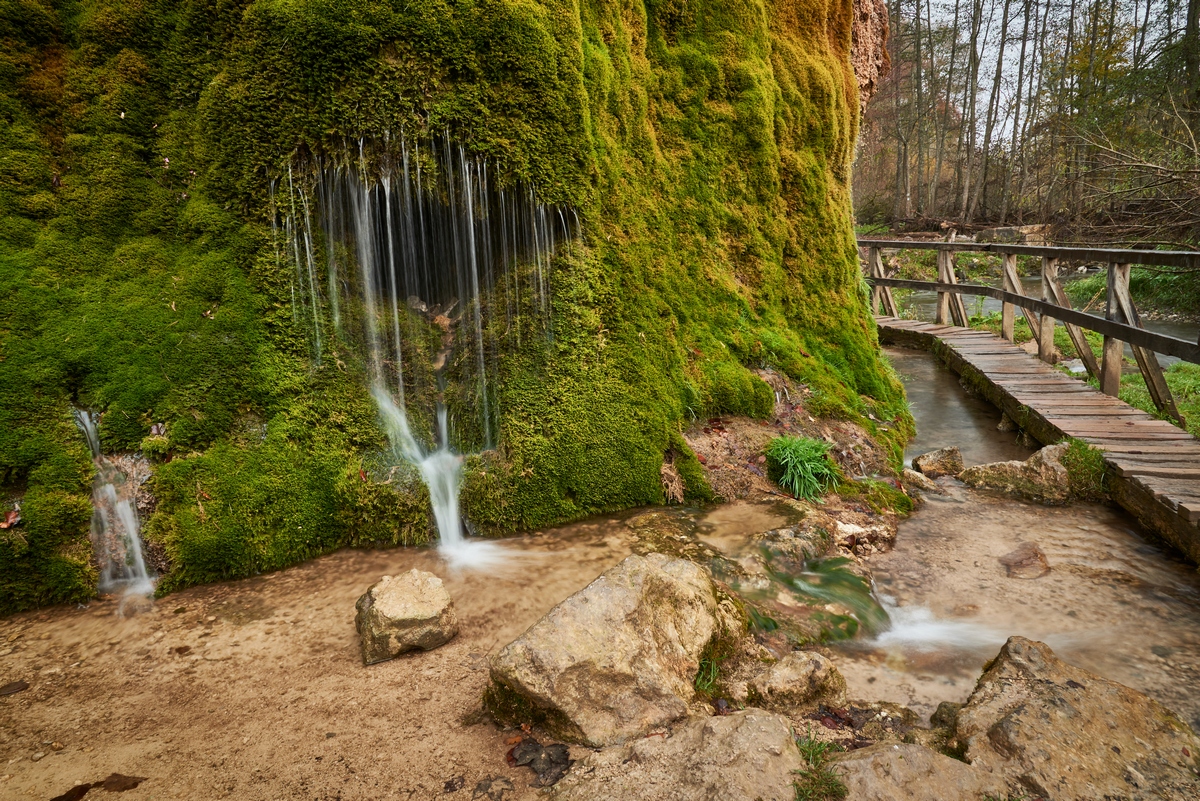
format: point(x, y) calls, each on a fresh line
point(255, 689)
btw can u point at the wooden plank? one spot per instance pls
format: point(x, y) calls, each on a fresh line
point(1101, 438)
point(1182, 447)
point(1168, 471)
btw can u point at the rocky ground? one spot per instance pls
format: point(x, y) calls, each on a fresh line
point(690, 669)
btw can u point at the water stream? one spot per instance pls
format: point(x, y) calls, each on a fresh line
point(431, 268)
point(1114, 602)
point(116, 530)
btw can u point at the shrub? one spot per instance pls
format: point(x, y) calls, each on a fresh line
point(802, 466)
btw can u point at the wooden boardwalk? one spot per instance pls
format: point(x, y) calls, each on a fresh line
point(1155, 465)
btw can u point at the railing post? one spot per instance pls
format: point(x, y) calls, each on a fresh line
point(1007, 316)
point(1114, 349)
point(1046, 324)
point(943, 302)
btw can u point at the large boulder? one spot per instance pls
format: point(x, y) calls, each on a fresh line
point(616, 659)
point(404, 613)
point(904, 772)
point(1059, 732)
point(799, 678)
point(942, 462)
point(747, 755)
point(1042, 477)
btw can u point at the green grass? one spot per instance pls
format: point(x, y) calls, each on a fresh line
point(817, 782)
point(802, 466)
point(1086, 471)
point(1152, 289)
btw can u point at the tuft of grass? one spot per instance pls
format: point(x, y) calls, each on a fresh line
point(802, 466)
point(1086, 470)
point(817, 782)
point(706, 676)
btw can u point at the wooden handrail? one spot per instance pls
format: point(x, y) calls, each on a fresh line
point(1119, 324)
point(1159, 343)
point(1157, 258)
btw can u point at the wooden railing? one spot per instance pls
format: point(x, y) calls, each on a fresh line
point(1120, 324)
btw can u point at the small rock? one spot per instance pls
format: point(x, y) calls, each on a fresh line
point(56, 746)
point(942, 462)
point(893, 771)
point(800, 677)
point(405, 613)
point(38, 756)
point(1042, 477)
point(945, 714)
point(918, 481)
point(1007, 424)
point(1028, 561)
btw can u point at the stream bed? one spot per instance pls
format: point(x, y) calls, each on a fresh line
point(1114, 602)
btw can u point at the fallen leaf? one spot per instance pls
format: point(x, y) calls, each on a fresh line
point(14, 687)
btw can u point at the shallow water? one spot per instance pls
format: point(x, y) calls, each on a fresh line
point(1113, 602)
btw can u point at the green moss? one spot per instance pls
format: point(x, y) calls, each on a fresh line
point(510, 708)
point(880, 495)
point(706, 149)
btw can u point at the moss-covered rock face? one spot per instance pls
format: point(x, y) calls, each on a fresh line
point(705, 146)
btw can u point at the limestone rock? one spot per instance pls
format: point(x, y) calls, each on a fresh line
point(1028, 561)
point(903, 772)
point(1042, 477)
point(868, 47)
point(798, 678)
point(744, 755)
point(616, 659)
point(918, 481)
point(942, 462)
point(404, 613)
point(1056, 731)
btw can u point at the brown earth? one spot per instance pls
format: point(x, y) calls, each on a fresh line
point(256, 689)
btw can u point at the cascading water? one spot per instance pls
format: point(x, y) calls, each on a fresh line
point(429, 266)
point(116, 531)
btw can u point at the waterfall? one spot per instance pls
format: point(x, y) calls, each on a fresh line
point(116, 531)
point(429, 264)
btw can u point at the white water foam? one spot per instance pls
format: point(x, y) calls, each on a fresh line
point(916, 629)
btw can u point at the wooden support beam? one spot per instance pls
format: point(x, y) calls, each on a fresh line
point(1012, 283)
point(1046, 328)
point(1007, 319)
point(880, 295)
point(1152, 372)
point(1082, 346)
point(943, 301)
point(1114, 350)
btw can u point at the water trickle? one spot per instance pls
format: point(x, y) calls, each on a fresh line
point(430, 269)
point(116, 531)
